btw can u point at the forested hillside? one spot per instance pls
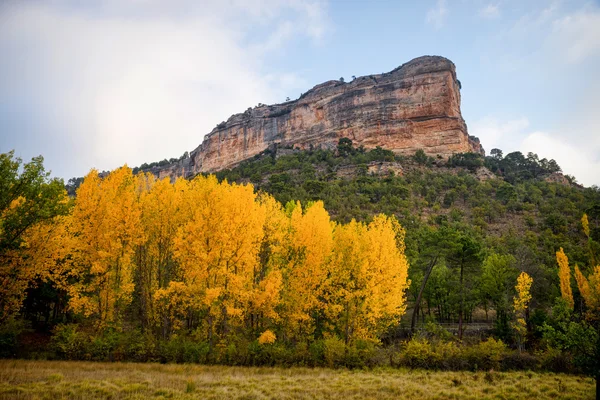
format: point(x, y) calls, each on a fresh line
point(523, 212)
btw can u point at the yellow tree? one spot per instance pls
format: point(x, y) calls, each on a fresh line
point(520, 304)
point(590, 291)
point(564, 275)
point(41, 256)
point(161, 217)
point(348, 282)
point(218, 251)
point(30, 206)
point(105, 226)
point(267, 279)
point(388, 273)
point(310, 243)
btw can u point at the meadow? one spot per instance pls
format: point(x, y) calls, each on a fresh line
point(20, 379)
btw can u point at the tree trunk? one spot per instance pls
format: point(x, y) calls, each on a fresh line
point(420, 295)
point(460, 310)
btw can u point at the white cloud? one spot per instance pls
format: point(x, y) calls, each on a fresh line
point(490, 11)
point(436, 16)
point(576, 37)
point(495, 133)
point(576, 157)
point(121, 85)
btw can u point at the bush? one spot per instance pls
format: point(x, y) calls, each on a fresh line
point(555, 360)
point(362, 353)
point(9, 333)
point(140, 346)
point(184, 350)
point(418, 353)
point(519, 361)
point(485, 355)
point(69, 342)
point(334, 351)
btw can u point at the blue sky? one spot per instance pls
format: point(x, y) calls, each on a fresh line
point(116, 82)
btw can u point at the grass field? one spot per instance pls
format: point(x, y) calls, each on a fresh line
point(89, 380)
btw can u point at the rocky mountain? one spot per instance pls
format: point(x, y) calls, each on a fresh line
point(415, 106)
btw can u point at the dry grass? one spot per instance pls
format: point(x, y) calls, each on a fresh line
point(88, 380)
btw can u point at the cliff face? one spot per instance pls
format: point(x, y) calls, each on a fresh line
point(416, 106)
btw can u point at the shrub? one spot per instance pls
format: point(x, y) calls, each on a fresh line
point(418, 353)
point(334, 350)
point(362, 353)
point(69, 342)
point(9, 333)
point(555, 360)
point(518, 361)
point(486, 355)
point(317, 352)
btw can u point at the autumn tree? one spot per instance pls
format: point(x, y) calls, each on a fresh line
point(218, 253)
point(520, 305)
point(30, 203)
point(162, 214)
point(564, 275)
point(309, 250)
point(368, 277)
point(578, 333)
point(106, 228)
point(267, 279)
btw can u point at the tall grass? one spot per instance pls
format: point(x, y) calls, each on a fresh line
point(90, 380)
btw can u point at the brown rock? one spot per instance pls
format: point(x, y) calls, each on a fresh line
point(415, 106)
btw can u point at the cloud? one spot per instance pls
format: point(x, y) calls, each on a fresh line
point(436, 16)
point(115, 84)
point(495, 133)
point(576, 157)
point(575, 160)
point(576, 37)
point(490, 11)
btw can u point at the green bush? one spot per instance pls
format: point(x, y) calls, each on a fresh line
point(334, 351)
point(485, 355)
point(555, 360)
point(362, 353)
point(184, 350)
point(69, 342)
point(418, 353)
point(516, 361)
point(9, 334)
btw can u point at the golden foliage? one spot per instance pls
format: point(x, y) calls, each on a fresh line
point(586, 225)
point(590, 291)
point(267, 337)
point(217, 259)
point(521, 301)
point(520, 304)
point(105, 227)
point(368, 277)
point(564, 274)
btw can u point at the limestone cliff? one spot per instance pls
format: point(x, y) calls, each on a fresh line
point(415, 106)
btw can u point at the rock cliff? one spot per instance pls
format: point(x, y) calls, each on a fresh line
point(415, 106)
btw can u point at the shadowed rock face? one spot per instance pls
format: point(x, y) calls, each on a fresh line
point(415, 106)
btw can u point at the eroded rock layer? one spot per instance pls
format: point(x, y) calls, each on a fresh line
point(415, 106)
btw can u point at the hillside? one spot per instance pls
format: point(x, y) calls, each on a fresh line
point(525, 207)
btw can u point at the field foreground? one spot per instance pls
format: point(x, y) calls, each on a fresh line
point(91, 380)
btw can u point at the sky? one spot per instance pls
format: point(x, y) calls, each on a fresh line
point(99, 84)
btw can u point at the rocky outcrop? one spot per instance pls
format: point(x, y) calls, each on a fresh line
point(415, 106)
